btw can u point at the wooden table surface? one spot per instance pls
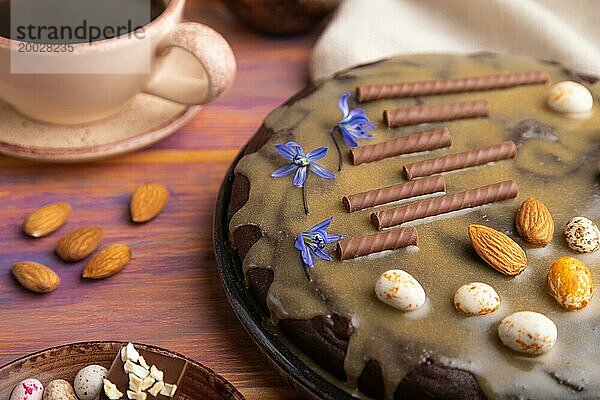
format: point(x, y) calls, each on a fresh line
point(169, 295)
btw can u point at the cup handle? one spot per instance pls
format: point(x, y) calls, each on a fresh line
point(211, 50)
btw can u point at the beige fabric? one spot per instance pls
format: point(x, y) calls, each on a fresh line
point(366, 30)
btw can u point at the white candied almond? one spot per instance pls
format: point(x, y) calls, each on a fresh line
point(399, 289)
point(476, 298)
point(528, 332)
point(570, 97)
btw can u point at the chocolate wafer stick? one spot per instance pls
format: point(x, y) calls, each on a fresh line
point(421, 141)
point(444, 204)
point(446, 86)
point(436, 113)
point(388, 194)
point(364, 245)
point(451, 162)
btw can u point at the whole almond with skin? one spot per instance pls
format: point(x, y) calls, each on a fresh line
point(35, 277)
point(148, 201)
point(534, 222)
point(498, 250)
point(79, 244)
point(107, 262)
point(46, 219)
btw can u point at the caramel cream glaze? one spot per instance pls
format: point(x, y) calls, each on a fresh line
point(557, 162)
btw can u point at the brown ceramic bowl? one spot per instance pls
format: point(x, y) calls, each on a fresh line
point(281, 16)
point(64, 362)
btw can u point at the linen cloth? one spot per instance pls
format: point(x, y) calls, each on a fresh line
point(361, 31)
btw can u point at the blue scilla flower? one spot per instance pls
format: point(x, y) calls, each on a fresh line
point(314, 240)
point(354, 124)
point(300, 162)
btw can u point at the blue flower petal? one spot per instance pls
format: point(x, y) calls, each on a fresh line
point(343, 104)
point(332, 238)
point(287, 152)
point(348, 137)
point(321, 171)
point(357, 113)
point(362, 135)
point(323, 254)
point(297, 148)
point(300, 245)
point(321, 225)
point(368, 126)
point(317, 154)
point(300, 177)
point(284, 171)
point(307, 257)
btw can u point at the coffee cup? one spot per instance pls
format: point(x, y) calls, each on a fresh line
point(78, 83)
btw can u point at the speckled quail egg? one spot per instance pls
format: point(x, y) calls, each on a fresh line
point(89, 381)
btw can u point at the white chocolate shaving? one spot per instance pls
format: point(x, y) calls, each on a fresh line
point(136, 395)
point(143, 362)
point(136, 369)
point(156, 373)
point(131, 353)
point(154, 390)
point(134, 382)
point(147, 383)
point(168, 390)
point(111, 391)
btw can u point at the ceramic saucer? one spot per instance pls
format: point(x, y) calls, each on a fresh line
point(144, 121)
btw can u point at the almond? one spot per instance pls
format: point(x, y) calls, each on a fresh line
point(79, 244)
point(498, 250)
point(46, 219)
point(107, 262)
point(534, 222)
point(148, 201)
point(35, 277)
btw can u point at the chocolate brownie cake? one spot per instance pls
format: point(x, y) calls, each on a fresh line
point(453, 181)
